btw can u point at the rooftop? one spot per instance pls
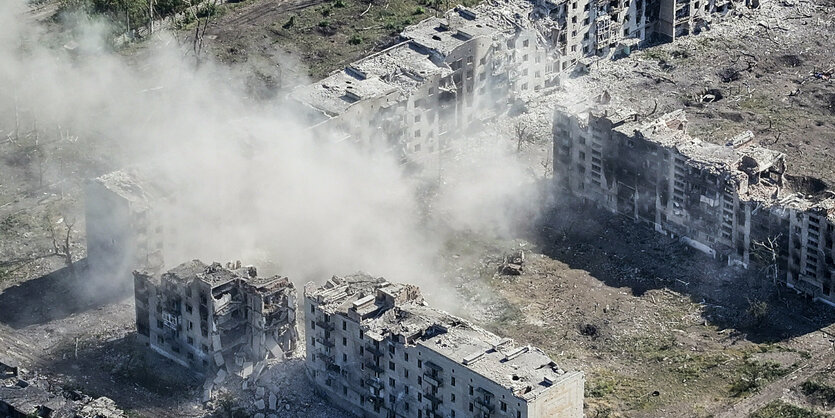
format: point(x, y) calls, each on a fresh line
point(398, 312)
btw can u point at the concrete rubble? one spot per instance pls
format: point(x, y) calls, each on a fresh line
point(24, 394)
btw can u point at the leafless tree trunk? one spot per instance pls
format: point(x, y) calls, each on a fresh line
point(61, 242)
point(201, 28)
point(522, 136)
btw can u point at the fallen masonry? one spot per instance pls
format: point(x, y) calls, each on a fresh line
point(377, 349)
point(35, 397)
point(207, 316)
point(733, 202)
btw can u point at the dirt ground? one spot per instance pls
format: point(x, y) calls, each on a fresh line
point(657, 327)
point(762, 63)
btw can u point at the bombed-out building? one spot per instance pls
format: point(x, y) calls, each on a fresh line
point(203, 316)
point(124, 230)
point(22, 397)
point(733, 201)
point(377, 349)
point(447, 73)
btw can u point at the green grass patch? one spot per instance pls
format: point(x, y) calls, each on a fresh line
point(780, 409)
point(753, 375)
point(354, 29)
point(818, 392)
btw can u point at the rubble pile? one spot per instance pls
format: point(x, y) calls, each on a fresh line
point(25, 394)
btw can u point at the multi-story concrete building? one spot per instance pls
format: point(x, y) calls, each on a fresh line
point(124, 229)
point(377, 349)
point(203, 316)
point(447, 73)
point(733, 202)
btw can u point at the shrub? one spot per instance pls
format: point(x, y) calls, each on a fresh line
point(355, 40)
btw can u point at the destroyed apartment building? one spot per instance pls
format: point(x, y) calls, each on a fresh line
point(446, 73)
point(733, 202)
point(204, 316)
point(377, 349)
point(35, 396)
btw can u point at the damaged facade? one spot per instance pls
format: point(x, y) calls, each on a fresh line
point(27, 398)
point(446, 73)
point(203, 316)
point(376, 349)
point(733, 202)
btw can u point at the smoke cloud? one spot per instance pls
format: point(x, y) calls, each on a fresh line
point(247, 181)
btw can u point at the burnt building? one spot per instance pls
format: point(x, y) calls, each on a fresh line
point(375, 348)
point(733, 202)
point(203, 316)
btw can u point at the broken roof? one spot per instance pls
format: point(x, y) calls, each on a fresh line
point(526, 371)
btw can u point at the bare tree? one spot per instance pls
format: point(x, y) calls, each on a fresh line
point(766, 253)
point(62, 241)
point(522, 135)
point(202, 26)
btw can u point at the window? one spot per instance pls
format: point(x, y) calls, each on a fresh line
point(344, 325)
point(312, 309)
point(159, 323)
point(345, 390)
point(312, 342)
point(452, 397)
point(420, 398)
point(391, 365)
point(188, 308)
point(452, 412)
point(205, 348)
point(391, 382)
point(344, 357)
point(471, 407)
point(417, 118)
point(406, 406)
point(406, 373)
point(417, 134)
point(361, 334)
point(312, 324)
point(503, 406)
point(344, 341)
point(190, 340)
point(525, 58)
point(160, 339)
point(452, 381)
point(362, 351)
point(471, 390)
point(190, 325)
point(525, 43)
point(420, 363)
point(391, 348)
point(406, 356)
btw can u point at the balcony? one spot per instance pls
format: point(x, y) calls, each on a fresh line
point(327, 326)
point(373, 366)
point(375, 351)
point(324, 342)
point(485, 406)
point(432, 380)
point(432, 398)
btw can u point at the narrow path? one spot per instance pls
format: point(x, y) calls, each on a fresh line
point(775, 389)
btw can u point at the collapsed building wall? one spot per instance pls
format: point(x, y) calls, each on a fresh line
point(24, 398)
point(733, 202)
point(202, 316)
point(375, 348)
